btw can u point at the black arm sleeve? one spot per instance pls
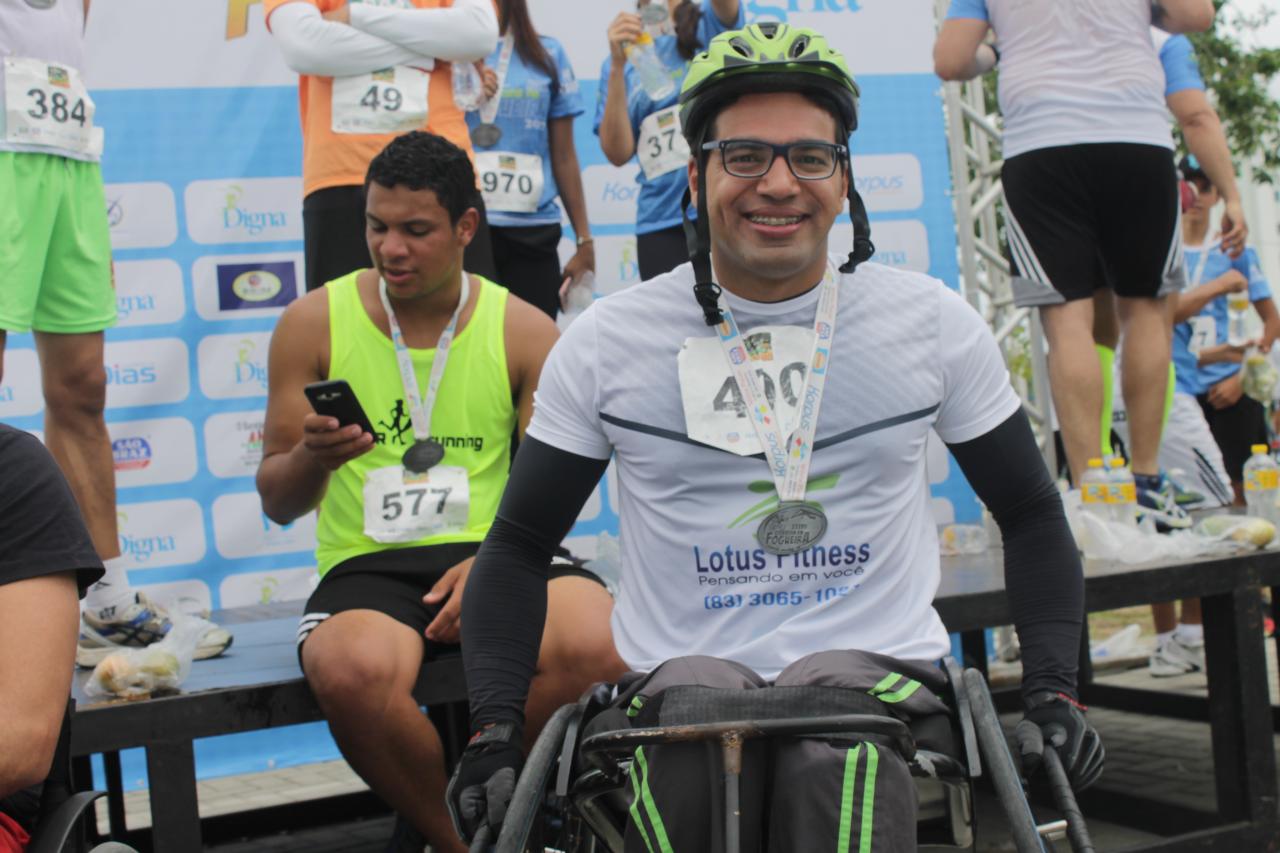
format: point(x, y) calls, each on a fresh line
point(505, 604)
point(1042, 571)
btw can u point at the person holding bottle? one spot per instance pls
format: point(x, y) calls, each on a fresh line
point(525, 156)
point(632, 122)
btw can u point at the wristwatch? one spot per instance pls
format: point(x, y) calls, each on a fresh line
point(582, 241)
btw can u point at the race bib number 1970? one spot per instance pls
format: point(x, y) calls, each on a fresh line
point(47, 104)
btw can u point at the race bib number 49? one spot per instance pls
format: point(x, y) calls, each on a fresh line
point(47, 104)
point(714, 410)
point(510, 182)
point(393, 100)
point(662, 147)
point(403, 507)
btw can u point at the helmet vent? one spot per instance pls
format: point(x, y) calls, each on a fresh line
point(741, 47)
point(769, 29)
point(798, 47)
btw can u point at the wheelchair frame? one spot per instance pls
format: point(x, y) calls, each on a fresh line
point(558, 752)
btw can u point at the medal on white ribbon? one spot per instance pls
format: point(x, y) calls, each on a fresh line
point(487, 134)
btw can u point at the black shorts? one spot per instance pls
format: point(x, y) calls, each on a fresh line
point(1084, 217)
point(394, 581)
point(334, 242)
point(1236, 429)
point(528, 260)
point(660, 252)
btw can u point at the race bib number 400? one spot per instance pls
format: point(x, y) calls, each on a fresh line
point(510, 182)
point(393, 100)
point(47, 104)
point(662, 147)
point(714, 411)
point(403, 507)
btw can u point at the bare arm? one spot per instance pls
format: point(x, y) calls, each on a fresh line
point(1266, 309)
point(1206, 140)
point(617, 136)
point(464, 32)
point(300, 448)
point(1182, 16)
point(564, 167)
point(1193, 301)
point(726, 11)
point(312, 45)
point(959, 53)
point(529, 336)
point(39, 620)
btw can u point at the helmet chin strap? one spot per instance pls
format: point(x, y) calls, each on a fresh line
point(697, 235)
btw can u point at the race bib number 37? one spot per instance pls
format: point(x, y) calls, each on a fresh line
point(662, 147)
point(393, 100)
point(404, 507)
point(510, 182)
point(47, 104)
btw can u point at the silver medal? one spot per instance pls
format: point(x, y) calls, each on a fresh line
point(422, 456)
point(486, 135)
point(793, 527)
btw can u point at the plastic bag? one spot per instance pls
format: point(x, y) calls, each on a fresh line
point(1104, 539)
point(1258, 376)
point(158, 668)
point(468, 87)
point(962, 539)
point(607, 563)
point(1246, 529)
point(576, 297)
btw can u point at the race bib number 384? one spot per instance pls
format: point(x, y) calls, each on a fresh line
point(47, 104)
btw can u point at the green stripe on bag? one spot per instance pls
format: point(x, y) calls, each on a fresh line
point(869, 799)
point(885, 683)
point(899, 695)
point(846, 798)
point(635, 807)
point(650, 808)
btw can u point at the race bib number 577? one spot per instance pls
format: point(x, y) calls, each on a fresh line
point(47, 104)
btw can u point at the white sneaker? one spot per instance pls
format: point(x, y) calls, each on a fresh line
point(137, 625)
point(1176, 656)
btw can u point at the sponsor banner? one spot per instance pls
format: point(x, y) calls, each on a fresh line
point(240, 529)
point(233, 443)
point(250, 588)
point(153, 452)
point(154, 534)
point(591, 509)
point(902, 243)
point(234, 287)
point(146, 372)
point(141, 216)
point(617, 265)
point(611, 193)
point(149, 293)
point(944, 511)
point(20, 392)
point(889, 181)
point(233, 366)
point(244, 210)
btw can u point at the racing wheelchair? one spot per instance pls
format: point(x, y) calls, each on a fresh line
point(572, 795)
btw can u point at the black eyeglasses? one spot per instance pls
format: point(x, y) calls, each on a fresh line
point(750, 158)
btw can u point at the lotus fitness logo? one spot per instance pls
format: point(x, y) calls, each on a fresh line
point(769, 504)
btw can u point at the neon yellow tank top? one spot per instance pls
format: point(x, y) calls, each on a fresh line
point(474, 416)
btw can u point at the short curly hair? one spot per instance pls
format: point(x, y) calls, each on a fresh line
point(424, 161)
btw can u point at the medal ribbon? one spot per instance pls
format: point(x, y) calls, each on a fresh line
point(788, 457)
point(1204, 258)
point(489, 111)
point(420, 407)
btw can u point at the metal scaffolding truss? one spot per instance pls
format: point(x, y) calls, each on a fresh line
point(973, 135)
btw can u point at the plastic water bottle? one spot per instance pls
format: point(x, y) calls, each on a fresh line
point(468, 86)
point(1261, 483)
point(1094, 492)
point(1122, 493)
point(1237, 306)
point(654, 77)
point(577, 298)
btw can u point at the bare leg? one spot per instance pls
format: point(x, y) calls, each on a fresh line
point(1165, 615)
point(1145, 376)
point(577, 650)
point(75, 394)
point(362, 666)
point(1106, 326)
point(1191, 612)
point(1075, 379)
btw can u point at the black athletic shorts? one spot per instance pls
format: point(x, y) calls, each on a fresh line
point(1236, 429)
point(528, 261)
point(394, 581)
point(334, 242)
point(660, 252)
point(1083, 217)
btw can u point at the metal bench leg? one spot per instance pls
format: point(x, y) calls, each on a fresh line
point(731, 747)
point(175, 812)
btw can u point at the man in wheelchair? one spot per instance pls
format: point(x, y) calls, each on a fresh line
point(701, 380)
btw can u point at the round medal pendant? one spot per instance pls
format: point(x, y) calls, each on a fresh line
point(793, 527)
point(486, 135)
point(422, 456)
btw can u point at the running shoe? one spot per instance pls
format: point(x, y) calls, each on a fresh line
point(136, 626)
point(1176, 656)
point(1183, 495)
point(1157, 502)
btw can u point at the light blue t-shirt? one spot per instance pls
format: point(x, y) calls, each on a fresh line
point(1193, 378)
point(968, 9)
point(1181, 71)
point(530, 100)
point(658, 203)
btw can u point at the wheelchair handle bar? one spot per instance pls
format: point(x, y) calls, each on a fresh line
point(1065, 798)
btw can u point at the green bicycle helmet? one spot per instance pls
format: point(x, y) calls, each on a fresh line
point(769, 57)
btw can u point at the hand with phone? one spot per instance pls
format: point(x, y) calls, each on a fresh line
point(338, 431)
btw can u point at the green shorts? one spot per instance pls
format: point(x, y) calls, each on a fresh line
point(55, 246)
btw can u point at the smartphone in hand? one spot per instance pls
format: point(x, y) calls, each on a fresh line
point(334, 397)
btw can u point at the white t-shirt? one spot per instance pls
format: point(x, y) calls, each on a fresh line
point(908, 355)
point(1075, 72)
point(53, 35)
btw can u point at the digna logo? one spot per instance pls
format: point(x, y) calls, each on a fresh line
point(126, 304)
point(248, 370)
point(234, 215)
point(143, 548)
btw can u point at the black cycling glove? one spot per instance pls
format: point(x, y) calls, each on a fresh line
point(1060, 720)
point(485, 779)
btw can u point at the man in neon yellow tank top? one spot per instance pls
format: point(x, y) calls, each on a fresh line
point(403, 511)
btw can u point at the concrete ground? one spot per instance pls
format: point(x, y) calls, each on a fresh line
point(1168, 760)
